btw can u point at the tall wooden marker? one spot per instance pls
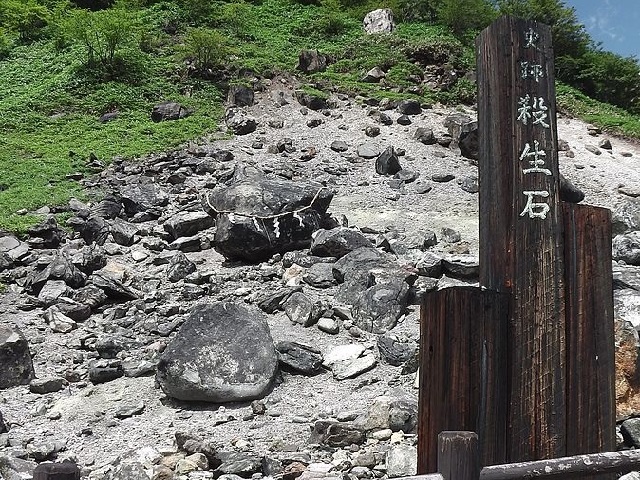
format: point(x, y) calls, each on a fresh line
point(527, 359)
point(521, 248)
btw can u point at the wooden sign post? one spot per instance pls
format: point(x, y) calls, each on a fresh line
point(527, 359)
point(521, 248)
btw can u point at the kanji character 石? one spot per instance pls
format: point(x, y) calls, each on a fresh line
point(536, 158)
point(535, 209)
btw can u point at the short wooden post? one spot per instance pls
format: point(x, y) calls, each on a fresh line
point(462, 371)
point(590, 330)
point(458, 457)
point(521, 248)
point(57, 471)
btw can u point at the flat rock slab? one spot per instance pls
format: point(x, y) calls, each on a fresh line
point(352, 368)
point(222, 353)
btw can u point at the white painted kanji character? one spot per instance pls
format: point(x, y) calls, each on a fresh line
point(531, 38)
point(536, 110)
point(524, 109)
point(536, 156)
point(531, 70)
point(535, 209)
point(540, 112)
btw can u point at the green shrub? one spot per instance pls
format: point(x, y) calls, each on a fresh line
point(206, 47)
point(464, 15)
point(401, 73)
point(605, 76)
point(324, 25)
point(103, 34)
point(196, 10)
point(235, 17)
point(569, 36)
point(462, 92)
point(418, 10)
point(25, 17)
point(436, 51)
point(6, 44)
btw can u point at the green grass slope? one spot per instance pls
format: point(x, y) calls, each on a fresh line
point(53, 88)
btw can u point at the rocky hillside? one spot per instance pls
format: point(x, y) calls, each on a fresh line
point(165, 333)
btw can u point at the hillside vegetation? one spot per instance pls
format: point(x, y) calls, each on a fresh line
point(64, 64)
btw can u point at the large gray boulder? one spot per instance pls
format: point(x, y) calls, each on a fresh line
point(626, 216)
point(253, 220)
point(379, 21)
point(378, 309)
point(15, 358)
point(376, 286)
point(222, 353)
point(312, 61)
point(143, 197)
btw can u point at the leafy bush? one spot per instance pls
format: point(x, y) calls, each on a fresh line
point(464, 15)
point(103, 34)
point(25, 17)
point(93, 4)
point(324, 25)
point(569, 36)
point(6, 44)
point(206, 47)
point(418, 10)
point(436, 51)
point(605, 76)
point(196, 10)
point(235, 17)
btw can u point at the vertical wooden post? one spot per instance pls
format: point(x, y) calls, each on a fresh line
point(590, 330)
point(57, 471)
point(521, 247)
point(458, 457)
point(462, 371)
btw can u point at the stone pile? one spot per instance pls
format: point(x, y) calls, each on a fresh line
point(247, 308)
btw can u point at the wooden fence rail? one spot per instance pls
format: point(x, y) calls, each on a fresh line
point(458, 459)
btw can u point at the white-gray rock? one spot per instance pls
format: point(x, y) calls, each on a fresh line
point(342, 353)
point(352, 368)
point(379, 21)
point(402, 461)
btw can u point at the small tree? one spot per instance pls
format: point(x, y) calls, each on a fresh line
point(206, 47)
point(103, 33)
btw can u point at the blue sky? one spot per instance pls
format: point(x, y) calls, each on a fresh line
point(615, 23)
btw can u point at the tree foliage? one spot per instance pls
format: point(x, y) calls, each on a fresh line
point(580, 63)
point(569, 36)
point(103, 33)
point(27, 18)
point(464, 15)
point(206, 47)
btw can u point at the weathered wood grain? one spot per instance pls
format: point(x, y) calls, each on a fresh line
point(462, 371)
point(590, 330)
point(520, 254)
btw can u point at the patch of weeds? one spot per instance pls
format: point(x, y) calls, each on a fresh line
point(609, 118)
point(462, 92)
point(401, 74)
